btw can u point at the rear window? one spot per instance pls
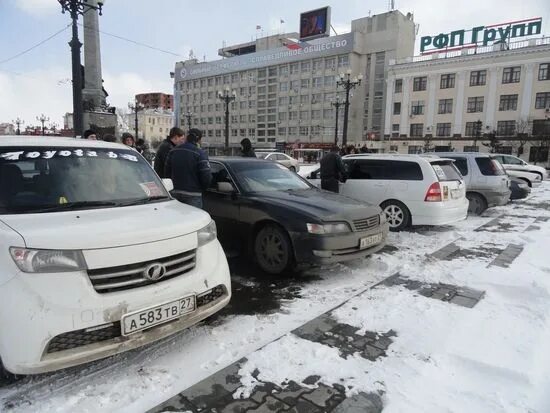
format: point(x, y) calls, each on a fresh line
point(446, 171)
point(462, 165)
point(384, 170)
point(489, 167)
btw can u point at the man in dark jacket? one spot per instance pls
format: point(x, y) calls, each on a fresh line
point(332, 170)
point(176, 137)
point(189, 169)
point(246, 149)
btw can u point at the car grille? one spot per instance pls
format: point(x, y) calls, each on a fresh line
point(126, 277)
point(367, 223)
point(78, 338)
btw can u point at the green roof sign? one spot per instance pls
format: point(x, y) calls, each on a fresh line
point(480, 36)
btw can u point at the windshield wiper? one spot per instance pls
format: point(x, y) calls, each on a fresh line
point(70, 206)
point(145, 200)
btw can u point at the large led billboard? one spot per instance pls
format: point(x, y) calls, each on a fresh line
point(315, 23)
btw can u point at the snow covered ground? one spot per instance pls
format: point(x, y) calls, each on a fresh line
point(492, 357)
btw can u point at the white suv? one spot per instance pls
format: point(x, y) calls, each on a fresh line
point(96, 258)
point(411, 189)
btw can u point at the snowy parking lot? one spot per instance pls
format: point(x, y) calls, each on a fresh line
point(454, 318)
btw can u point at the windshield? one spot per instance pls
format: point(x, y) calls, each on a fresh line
point(48, 179)
point(267, 177)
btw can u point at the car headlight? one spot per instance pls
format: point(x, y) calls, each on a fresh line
point(383, 218)
point(44, 261)
point(336, 228)
point(207, 234)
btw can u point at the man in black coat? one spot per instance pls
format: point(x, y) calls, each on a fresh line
point(332, 171)
point(246, 149)
point(189, 168)
point(175, 137)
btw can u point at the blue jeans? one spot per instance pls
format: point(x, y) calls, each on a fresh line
point(192, 200)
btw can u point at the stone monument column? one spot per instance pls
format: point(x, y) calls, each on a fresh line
point(93, 80)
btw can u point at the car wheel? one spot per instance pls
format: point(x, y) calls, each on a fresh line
point(539, 174)
point(527, 181)
point(292, 169)
point(397, 215)
point(273, 250)
point(478, 204)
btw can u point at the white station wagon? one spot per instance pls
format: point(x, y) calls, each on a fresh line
point(410, 189)
point(96, 258)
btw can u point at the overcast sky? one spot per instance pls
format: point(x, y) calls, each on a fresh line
point(39, 81)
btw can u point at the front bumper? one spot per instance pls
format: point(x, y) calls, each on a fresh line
point(35, 309)
point(335, 248)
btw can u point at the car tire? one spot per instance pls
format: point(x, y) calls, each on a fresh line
point(539, 174)
point(398, 215)
point(292, 169)
point(478, 204)
point(6, 377)
point(273, 250)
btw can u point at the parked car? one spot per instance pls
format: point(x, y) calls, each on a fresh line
point(510, 162)
point(487, 184)
point(519, 189)
point(533, 180)
point(410, 189)
point(265, 211)
point(281, 158)
point(96, 258)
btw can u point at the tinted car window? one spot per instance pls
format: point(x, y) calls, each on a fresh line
point(385, 170)
point(446, 171)
point(510, 160)
point(489, 167)
point(219, 174)
point(462, 165)
point(281, 157)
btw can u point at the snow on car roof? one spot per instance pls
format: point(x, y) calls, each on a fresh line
point(8, 141)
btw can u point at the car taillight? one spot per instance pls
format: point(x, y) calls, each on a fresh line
point(434, 193)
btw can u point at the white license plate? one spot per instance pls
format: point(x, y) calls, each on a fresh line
point(143, 319)
point(370, 241)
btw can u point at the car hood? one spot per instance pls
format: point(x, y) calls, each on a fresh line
point(107, 227)
point(323, 205)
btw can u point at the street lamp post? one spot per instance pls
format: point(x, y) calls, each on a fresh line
point(53, 127)
point(75, 8)
point(337, 103)
point(227, 97)
point(347, 83)
point(18, 122)
point(43, 119)
point(136, 108)
point(189, 116)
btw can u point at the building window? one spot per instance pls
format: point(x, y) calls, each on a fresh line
point(417, 107)
point(306, 67)
point(294, 68)
point(506, 127)
point(293, 115)
point(470, 129)
point(234, 78)
point(304, 130)
point(317, 82)
point(511, 74)
point(330, 63)
point(305, 84)
point(447, 81)
point(315, 114)
point(283, 87)
point(397, 108)
point(443, 129)
point(398, 85)
point(541, 127)
point(445, 106)
point(317, 65)
point(283, 70)
point(316, 98)
point(475, 104)
point(282, 116)
point(251, 132)
point(242, 118)
point(542, 100)
point(328, 114)
point(304, 99)
point(293, 131)
point(281, 131)
point(242, 133)
point(544, 71)
point(272, 71)
point(417, 129)
point(508, 102)
point(395, 127)
point(420, 83)
point(343, 61)
point(330, 81)
point(478, 78)
point(304, 115)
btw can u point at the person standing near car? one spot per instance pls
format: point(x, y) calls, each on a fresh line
point(332, 171)
point(246, 149)
point(175, 137)
point(189, 168)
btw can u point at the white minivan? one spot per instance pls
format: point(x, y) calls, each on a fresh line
point(96, 258)
point(411, 189)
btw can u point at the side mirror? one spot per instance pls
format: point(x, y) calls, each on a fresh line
point(168, 184)
point(226, 187)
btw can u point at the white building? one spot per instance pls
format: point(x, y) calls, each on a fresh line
point(153, 124)
point(438, 100)
point(285, 88)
